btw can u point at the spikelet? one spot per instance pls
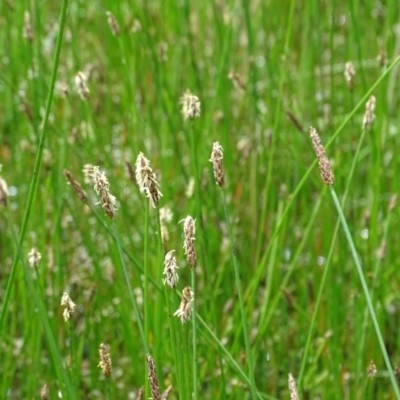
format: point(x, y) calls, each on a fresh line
point(369, 115)
point(69, 306)
point(323, 162)
point(27, 30)
point(217, 155)
point(81, 86)
point(153, 379)
point(33, 258)
point(189, 230)
point(185, 309)
point(349, 73)
point(3, 192)
point(191, 107)
point(44, 393)
point(292, 388)
point(105, 361)
point(170, 266)
point(113, 23)
point(371, 370)
point(147, 180)
point(102, 188)
point(76, 186)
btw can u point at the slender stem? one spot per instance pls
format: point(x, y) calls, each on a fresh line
point(366, 291)
point(194, 338)
point(146, 286)
point(241, 302)
point(38, 161)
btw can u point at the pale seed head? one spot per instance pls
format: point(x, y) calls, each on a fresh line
point(170, 266)
point(185, 309)
point(217, 155)
point(81, 86)
point(189, 231)
point(102, 188)
point(292, 388)
point(153, 379)
point(191, 106)
point(69, 306)
point(33, 258)
point(105, 361)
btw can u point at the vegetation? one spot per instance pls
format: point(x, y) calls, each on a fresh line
point(137, 135)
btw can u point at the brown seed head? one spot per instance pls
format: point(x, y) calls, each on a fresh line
point(349, 73)
point(166, 393)
point(185, 309)
point(81, 87)
point(323, 162)
point(140, 395)
point(76, 186)
point(189, 230)
point(147, 180)
point(153, 380)
point(69, 306)
point(105, 361)
point(113, 23)
point(217, 155)
point(170, 266)
point(102, 188)
point(292, 388)
point(369, 115)
point(190, 105)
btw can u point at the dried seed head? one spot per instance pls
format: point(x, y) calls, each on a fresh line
point(76, 186)
point(166, 393)
point(81, 87)
point(292, 388)
point(113, 23)
point(216, 158)
point(33, 258)
point(102, 188)
point(392, 203)
point(170, 266)
point(185, 309)
point(27, 30)
point(371, 369)
point(369, 115)
point(153, 380)
point(69, 306)
point(162, 52)
point(323, 162)
point(146, 179)
point(44, 393)
point(397, 374)
point(105, 361)
point(349, 73)
point(3, 192)
point(190, 188)
point(189, 231)
point(190, 105)
point(382, 58)
point(237, 80)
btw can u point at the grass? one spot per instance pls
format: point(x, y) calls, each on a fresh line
point(277, 283)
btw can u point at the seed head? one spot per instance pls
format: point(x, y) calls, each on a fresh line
point(349, 73)
point(88, 170)
point(369, 115)
point(166, 393)
point(76, 186)
point(113, 23)
point(27, 30)
point(3, 192)
point(69, 306)
point(185, 309)
point(33, 258)
point(165, 217)
point(323, 162)
point(81, 87)
point(190, 105)
point(147, 180)
point(105, 361)
point(140, 395)
point(292, 388)
point(216, 158)
point(44, 393)
point(170, 266)
point(102, 188)
point(153, 380)
point(371, 369)
point(189, 230)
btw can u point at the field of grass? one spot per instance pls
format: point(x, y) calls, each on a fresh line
point(292, 276)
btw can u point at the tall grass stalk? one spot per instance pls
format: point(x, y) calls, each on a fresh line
point(366, 292)
point(38, 161)
point(246, 334)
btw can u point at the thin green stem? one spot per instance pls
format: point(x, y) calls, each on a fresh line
point(366, 291)
point(241, 302)
point(38, 162)
point(194, 337)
